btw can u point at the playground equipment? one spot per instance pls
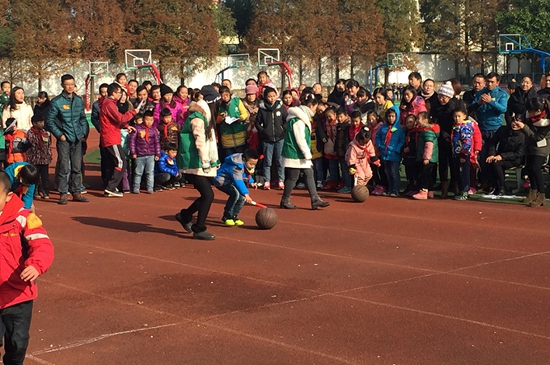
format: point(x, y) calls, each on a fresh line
point(140, 59)
point(393, 60)
point(516, 44)
point(268, 57)
point(96, 69)
point(239, 61)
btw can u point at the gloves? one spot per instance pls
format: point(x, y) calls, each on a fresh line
point(206, 168)
point(352, 170)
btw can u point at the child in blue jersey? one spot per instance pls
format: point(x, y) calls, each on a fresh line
point(167, 173)
point(23, 177)
point(232, 178)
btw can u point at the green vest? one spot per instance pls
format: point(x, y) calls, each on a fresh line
point(290, 148)
point(188, 155)
point(232, 111)
point(427, 136)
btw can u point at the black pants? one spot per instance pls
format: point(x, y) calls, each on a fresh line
point(425, 175)
point(379, 175)
point(116, 166)
point(291, 177)
point(445, 157)
point(15, 325)
point(462, 170)
point(202, 204)
point(534, 170)
point(498, 179)
point(165, 178)
point(44, 183)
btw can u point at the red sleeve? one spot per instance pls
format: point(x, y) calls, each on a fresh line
point(116, 118)
point(478, 142)
point(40, 245)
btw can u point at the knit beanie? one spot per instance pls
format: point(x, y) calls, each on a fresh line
point(251, 89)
point(165, 89)
point(447, 90)
point(210, 94)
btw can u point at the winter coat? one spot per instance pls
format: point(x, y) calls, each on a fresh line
point(42, 109)
point(195, 149)
point(428, 144)
point(23, 242)
point(489, 116)
point(112, 121)
point(516, 103)
point(233, 134)
point(166, 165)
point(271, 121)
point(509, 144)
point(390, 140)
point(40, 150)
point(466, 139)
point(329, 147)
point(359, 157)
point(175, 110)
point(537, 132)
point(416, 107)
point(233, 172)
point(443, 116)
point(411, 142)
point(22, 114)
point(145, 141)
point(66, 117)
point(26, 195)
point(169, 133)
point(297, 146)
point(342, 139)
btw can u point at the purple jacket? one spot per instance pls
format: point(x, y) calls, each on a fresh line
point(142, 144)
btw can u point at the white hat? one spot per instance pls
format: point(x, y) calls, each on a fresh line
point(447, 90)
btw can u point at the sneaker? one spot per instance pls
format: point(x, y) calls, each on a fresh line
point(344, 190)
point(158, 188)
point(394, 194)
point(267, 186)
point(462, 196)
point(204, 236)
point(526, 184)
point(177, 185)
point(169, 187)
point(150, 191)
point(378, 190)
point(229, 222)
point(300, 186)
point(473, 191)
point(421, 195)
point(187, 226)
point(63, 199)
point(84, 191)
point(80, 198)
point(330, 185)
point(281, 185)
point(45, 196)
point(319, 184)
point(135, 191)
point(340, 186)
point(239, 222)
point(110, 193)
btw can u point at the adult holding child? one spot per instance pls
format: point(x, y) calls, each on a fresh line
point(198, 158)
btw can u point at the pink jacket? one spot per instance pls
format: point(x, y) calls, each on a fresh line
point(359, 157)
point(176, 113)
point(418, 106)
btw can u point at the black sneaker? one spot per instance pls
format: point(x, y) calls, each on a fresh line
point(204, 236)
point(186, 225)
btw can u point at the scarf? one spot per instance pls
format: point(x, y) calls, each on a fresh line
point(272, 107)
point(389, 134)
point(538, 117)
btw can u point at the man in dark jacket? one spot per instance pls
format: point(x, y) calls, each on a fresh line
point(67, 122)
point(270, 123)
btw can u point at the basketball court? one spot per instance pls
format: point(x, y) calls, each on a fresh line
point(387, 281)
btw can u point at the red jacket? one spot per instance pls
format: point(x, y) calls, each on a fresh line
point(21, 228)
point(112, 121)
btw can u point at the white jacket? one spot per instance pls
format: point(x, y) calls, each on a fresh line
point(304, 114)
point(22, 114)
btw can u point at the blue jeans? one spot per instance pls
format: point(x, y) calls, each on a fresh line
point(462, 170)
point(346, 177)
point(145, 165)
point(272, 152)
point(392, 171)
point(70, 160)
point(318, 169)
point(333, 170)
point(234, 203)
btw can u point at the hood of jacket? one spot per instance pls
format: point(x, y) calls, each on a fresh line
point(301, 112)
point(397, 115)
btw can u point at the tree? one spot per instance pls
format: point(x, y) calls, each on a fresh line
point(225, 23)
point(179, 33)
point(463, 29)
point(530, 18)
point(241, 11)
point(41, 42)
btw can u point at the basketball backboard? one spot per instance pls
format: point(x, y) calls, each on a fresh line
point(268, 55)
point(98, 68)
point(137, 57)
point(512, 43)
point(395, 59)
point(238, 60)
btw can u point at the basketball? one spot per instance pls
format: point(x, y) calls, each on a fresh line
point(266, 218)
point(359, 193)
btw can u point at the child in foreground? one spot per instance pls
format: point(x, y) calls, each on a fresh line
point(26, 252)
point(359, 155)
point(231, 179)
